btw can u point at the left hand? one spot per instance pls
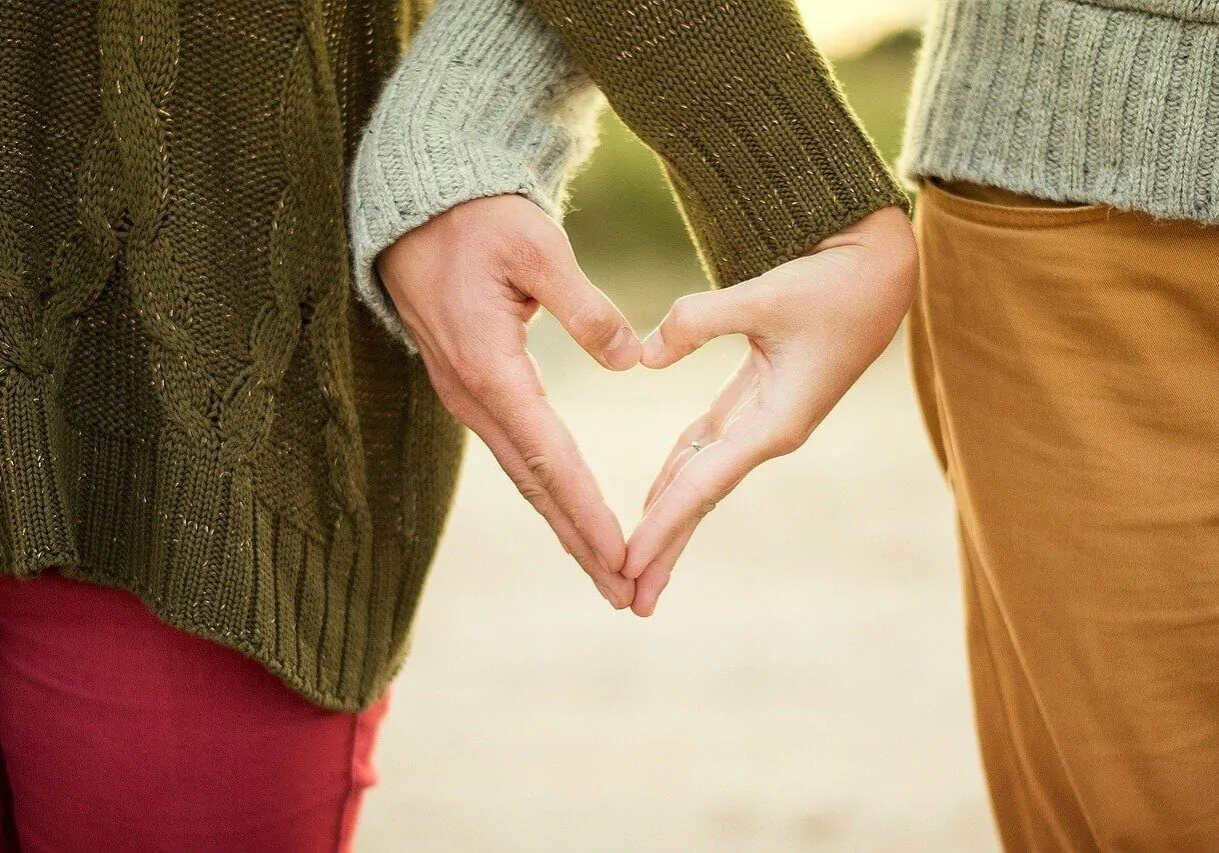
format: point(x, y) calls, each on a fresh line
point(814, 325)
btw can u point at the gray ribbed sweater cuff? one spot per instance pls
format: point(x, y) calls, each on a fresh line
point(487, 101)
point(1071, 101)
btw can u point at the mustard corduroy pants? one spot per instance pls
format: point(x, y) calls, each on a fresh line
point(1067, 363)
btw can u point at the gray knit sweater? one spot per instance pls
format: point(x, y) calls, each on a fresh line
point(1113, 101)
point(487, 101)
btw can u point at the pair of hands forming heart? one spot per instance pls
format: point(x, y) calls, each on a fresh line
point(467, 283)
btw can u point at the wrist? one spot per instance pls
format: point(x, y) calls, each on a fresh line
point(885, 228)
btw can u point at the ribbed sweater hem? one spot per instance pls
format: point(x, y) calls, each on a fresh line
point(190, 534)
point(298, 680)
point(1070, 101)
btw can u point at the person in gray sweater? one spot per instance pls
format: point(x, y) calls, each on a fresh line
point(1064, 351)
point(454, 204)
point(1065, 345)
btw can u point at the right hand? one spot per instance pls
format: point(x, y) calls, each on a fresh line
point(466, 284)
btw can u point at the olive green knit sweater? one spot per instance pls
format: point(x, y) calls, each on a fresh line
point(193, 404)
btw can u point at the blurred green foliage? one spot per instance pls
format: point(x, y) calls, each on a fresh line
point(625, 226)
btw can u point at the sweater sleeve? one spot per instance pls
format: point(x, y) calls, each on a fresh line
point(762, 150)
point(486, 101)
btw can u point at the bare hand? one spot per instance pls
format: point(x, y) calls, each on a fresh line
point(466, 284)
point(814, 325)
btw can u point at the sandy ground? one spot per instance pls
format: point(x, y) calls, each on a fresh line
point(802, 686)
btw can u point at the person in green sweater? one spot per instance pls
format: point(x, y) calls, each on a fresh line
point(258, 270)
point(1065, 352)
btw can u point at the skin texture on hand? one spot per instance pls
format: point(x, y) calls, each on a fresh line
point(466, 284)
point(814, 325)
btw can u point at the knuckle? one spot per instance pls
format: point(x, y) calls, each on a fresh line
point(786, 444)
point(542, 468)
point(593, 322)
point(681, 322)
point(788, 441)
point(470, 373)
point(475, 368)
point(531, 492)
point(530, 251)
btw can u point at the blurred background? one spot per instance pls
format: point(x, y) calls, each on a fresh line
point(802, 685)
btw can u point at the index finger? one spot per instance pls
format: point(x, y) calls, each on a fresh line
point(694, 491)
point(617, 589)
point(517, 404)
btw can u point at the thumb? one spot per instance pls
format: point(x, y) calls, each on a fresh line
point(554, 278)
point(694, 320)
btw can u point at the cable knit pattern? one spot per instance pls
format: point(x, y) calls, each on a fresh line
point(195, 404)
point(190, 408)
point(487, 101)
point(1109, 101)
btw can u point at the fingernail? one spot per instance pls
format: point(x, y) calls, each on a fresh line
point(623, 351)
point(653, 344)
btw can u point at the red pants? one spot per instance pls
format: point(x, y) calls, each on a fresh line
point(119, 732)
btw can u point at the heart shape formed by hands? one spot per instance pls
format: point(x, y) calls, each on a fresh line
point(467, 283)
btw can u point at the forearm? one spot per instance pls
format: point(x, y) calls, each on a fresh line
point(487, 101)
point(763, 152)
